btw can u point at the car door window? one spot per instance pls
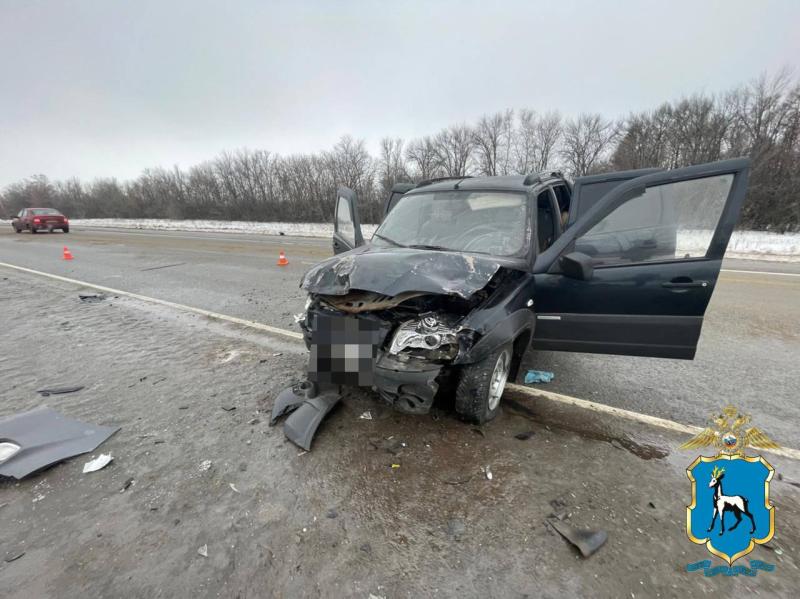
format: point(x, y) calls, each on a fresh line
point(344, 221)
point(670, 221)
point(546, 228)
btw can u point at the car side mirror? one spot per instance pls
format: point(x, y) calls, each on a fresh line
point(577, 265)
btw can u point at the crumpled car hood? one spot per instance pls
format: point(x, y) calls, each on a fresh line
point(391, 271)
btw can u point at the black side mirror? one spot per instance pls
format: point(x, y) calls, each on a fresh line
point(577, 265)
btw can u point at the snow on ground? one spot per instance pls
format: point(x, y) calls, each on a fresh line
point(755, 245)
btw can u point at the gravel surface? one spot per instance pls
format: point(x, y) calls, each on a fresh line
point(358, 515)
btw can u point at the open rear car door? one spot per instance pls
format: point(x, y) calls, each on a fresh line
point(346, 224)
point(634, 274)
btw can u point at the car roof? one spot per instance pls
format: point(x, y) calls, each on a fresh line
point(502, 183)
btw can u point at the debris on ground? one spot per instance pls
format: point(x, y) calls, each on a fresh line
point(538, 376)
point(203, 550)
point(98, 463)
point(253, 421)
point(587, 541)
point(128, 484)
point(205, 466)
point(58, 391)
point(183, 407)
point(228, 408)
point(233, 488)
point(389, 445)
point(366, 548)
point(332, 513)
point(276, 354)
point(456, 529)
point(458, 481)
point(478, 431)
point(42, 437)
point(487, 471)
point(91, 297)
point(366, 416)
point(14, 556)
point(524, 436)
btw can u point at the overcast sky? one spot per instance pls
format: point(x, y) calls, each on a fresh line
point(107, 88)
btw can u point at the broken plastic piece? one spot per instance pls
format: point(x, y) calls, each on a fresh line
point(98, 463)
point(366, 416)
point(203, 550)
point(304, 421)
point(587, 541)
point(46, 437)
point(290, 399)
point(538, 376)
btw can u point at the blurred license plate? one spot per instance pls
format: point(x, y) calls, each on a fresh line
point(343, 350)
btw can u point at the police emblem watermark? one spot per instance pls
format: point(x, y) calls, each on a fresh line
point(730, 512)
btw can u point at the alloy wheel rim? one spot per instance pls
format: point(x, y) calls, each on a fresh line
point(498, 380)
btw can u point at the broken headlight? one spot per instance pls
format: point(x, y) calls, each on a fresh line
point(428, 338)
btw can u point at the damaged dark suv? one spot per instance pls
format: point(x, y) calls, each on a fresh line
point(464, 275)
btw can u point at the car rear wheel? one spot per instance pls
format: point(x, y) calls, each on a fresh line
point(481, 386)
point(65, 229)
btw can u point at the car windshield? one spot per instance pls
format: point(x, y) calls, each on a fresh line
point(45, 212)
point(487, 222)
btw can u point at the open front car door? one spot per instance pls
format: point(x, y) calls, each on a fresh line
point(635, 273)
point(346, 224)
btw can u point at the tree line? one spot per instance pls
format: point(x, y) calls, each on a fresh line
point(760, 119)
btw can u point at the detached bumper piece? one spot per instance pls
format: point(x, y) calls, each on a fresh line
point(307, 404)
point(33, 440)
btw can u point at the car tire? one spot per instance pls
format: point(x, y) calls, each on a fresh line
point(65, 229)
point(33, 230)
point(481, 385)
point(17, 229)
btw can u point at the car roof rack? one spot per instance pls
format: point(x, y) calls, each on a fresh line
point(534, 178)
point(425, 182)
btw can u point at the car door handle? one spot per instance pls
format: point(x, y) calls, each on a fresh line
point(684, 284)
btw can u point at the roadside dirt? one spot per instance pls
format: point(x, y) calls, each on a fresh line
point(394, 506)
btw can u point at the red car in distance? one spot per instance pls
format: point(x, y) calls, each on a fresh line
point(40, 219)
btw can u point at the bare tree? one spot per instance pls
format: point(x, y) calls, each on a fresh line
point(587, 141)
point(454, 147)
point(391, 164)
point(492, 138)
point(424, 159)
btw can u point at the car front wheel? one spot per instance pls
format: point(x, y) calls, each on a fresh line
point(481, 386)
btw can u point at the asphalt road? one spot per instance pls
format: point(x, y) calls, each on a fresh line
point(748, 355)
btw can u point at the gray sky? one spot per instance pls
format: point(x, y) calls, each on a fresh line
point(106, 88)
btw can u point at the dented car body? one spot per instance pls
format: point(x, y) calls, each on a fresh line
point(464, 275)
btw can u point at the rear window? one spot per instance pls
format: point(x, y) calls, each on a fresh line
point(45, 212)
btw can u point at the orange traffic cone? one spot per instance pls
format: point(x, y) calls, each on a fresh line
point(282, 261)
point(67, 254)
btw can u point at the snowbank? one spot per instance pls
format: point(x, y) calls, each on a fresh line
point(755, 245)
point(220, 226)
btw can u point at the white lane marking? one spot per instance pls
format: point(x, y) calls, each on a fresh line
point(540, 393)
point(763, 272)
point(634, 416)
point(215, 315)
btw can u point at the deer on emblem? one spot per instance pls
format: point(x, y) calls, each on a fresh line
point(727, 503)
